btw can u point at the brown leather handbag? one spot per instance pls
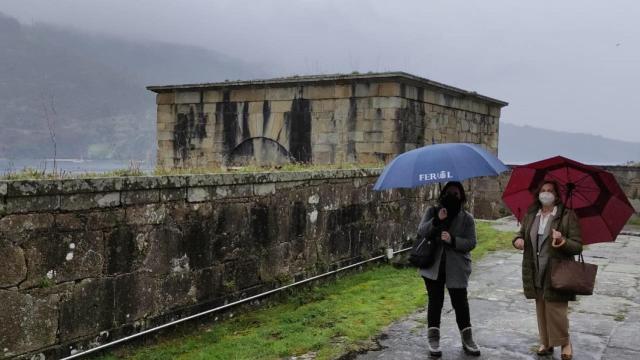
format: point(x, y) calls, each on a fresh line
point(573, 277)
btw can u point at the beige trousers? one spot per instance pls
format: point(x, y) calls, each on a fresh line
point(553, 322)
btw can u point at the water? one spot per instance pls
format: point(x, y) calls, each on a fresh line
point(72, 166)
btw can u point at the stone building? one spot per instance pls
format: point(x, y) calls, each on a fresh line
point(322, 119)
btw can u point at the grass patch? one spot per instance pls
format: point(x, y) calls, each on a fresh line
point(330, 319)
point(490, 239)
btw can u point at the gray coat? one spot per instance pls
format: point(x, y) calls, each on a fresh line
point(458, 263)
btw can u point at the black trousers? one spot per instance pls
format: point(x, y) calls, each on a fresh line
point(435, 292)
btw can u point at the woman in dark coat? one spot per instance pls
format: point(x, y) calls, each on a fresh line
point(548, 231)
point(454, 228)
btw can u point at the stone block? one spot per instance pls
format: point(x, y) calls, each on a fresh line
point(188, 97)
point(150, 214)
point(164, 134)
point(16, 227)
point(21, 188)
point(176, 291)
point(314, 92)
point(105, 219)
point(212, 96)
point(89, 309)
point(3, 188)
point(232, 191)
point(199, 194)
point(410, 92)
point(72, 186)
point(29, 322)
point(280, 106)
point(373, 136)
point(166, 251)
point(63, 257)
point(89, 201)
point(366, 89)
point(389, 89)
point(264, 189)
point(386, 102)
point(343, 91)
point(364, 147)
point(70, 221)
point(140, 196)
point(165, 98)
point(13, 268)
point(26, 204)
point(283, 93)
point(173, 195)
point(248, 94)
point(135, 297)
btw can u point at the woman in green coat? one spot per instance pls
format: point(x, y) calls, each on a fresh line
point(548, 231)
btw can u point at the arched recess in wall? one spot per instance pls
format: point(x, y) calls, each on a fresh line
point(259, 150)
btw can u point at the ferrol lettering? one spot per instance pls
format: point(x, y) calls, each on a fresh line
point(442, 175)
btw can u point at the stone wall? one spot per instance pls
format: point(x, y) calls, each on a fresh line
point(89, 261)
point(355, 120)
point(486, 197)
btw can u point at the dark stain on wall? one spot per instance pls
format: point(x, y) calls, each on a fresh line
point(411, 123)
point(245, 121)
point(189, 127)
point(300, 134)
point(266, 115)
point(121, 250)
point(352, 156)
point(298, 219)
point(228, 112)
point(259, 224)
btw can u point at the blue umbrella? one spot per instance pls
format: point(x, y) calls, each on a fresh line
point(438, 163)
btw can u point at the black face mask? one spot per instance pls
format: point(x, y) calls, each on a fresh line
point(452, 204)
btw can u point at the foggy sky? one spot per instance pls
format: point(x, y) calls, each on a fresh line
point(571, 65)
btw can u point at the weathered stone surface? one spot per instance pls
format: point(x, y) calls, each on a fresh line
point(27, 204)
point(19, 227)
point(28, 322)
point(135, 297)
point(20, 188)
point(88, 310)
point(146, 214)
point(13, 268)
point(72, 186)
point(166, 251)
point(89, 201)
point(59, 257)
point(140, 196)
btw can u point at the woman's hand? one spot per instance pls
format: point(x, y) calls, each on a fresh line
point(558, 240)
point(519, 243)
point(442, 214)
point(446, 237)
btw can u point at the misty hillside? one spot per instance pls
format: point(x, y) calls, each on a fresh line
point(522, 144)
point(90, 89)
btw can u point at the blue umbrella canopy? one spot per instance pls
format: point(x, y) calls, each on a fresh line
point(438, 163)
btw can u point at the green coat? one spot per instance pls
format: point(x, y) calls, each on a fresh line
point(570, 230)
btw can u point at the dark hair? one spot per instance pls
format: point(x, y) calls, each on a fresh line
point(463, 195)
point(556, 188)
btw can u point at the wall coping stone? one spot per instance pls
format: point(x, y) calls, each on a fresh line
point(28, 188)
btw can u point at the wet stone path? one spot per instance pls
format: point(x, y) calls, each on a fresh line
point(603, 326)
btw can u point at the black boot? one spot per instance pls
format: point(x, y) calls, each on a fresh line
point(433, 336)
point(468, 345)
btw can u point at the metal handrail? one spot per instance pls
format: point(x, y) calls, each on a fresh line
point(154, 329)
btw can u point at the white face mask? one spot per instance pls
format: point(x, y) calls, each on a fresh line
point(546, 198)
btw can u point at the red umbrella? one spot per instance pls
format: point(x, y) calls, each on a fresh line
point(600, 204)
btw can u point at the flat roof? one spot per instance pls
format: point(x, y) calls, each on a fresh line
point(330, 78)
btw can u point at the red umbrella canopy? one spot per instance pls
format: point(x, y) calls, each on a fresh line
point(600, 204)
